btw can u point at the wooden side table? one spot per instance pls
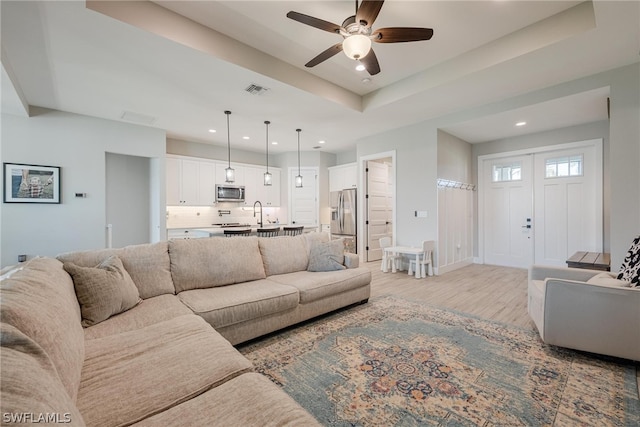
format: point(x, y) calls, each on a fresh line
point(590, 260)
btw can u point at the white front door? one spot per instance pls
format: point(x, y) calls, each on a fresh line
point(508, 211)
point(568, 208)
point(303, 201)
point(378, 208)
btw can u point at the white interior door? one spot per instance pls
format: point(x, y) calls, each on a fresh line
point(508, 211)
point(379, 211)
point(303, 201)
point(568, 208)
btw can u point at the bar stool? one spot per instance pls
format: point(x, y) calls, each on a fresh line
point(234, 233)
point(268, 232)
point(292, 231)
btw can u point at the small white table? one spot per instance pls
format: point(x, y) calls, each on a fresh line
point(407, 250)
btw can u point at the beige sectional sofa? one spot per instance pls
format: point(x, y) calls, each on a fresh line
point(169, 359)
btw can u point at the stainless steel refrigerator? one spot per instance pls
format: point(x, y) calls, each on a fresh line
point(343, 218)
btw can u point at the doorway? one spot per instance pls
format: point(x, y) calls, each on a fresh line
point(378, 199)
point(128, 200)
point(540, 206)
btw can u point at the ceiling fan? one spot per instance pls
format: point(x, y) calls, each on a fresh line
point(358, 35)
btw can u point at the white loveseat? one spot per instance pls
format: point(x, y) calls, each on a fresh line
point(600, 317)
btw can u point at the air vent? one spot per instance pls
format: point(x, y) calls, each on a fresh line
point(255, 89)
point(138, 118)
point(317, 147)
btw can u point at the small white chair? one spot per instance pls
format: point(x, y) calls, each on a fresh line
point(388, 259)
point(426, 259)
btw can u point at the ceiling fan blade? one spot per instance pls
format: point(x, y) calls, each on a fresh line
point(368, 11)
point(401, 34)
point(370, 63)
point(325, 55)
point(314, 22)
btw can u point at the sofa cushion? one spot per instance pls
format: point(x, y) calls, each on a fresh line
point(607, 279)
point(104, 290)
point(31, 391)
point(284, 254)
point(148, 265)
point(40, 301)
point(327, 256)
point(133, 375)
point(630, 270)
point(318, 285)
point(149, 311)
point(205, 263)
point(248, 400)
point(227, 305)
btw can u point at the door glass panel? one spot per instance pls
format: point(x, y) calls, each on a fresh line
point(564, 166)
point(511, 172)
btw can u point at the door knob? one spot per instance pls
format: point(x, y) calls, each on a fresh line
point(526, 226)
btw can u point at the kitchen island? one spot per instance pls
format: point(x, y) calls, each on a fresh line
point(218, 230)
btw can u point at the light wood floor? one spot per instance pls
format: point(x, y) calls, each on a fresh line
point(486, 291)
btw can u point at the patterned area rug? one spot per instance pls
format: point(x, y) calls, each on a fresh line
point(395, 362)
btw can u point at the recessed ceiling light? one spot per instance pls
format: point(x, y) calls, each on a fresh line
point(521, 123)
point(274, 143)
point(360, 67)
point(321, 142)
point(245, 137)
point(366, 80)
point(212, 130)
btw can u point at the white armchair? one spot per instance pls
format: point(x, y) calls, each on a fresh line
point(601, 317)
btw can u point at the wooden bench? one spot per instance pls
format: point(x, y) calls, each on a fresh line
point(590, 260)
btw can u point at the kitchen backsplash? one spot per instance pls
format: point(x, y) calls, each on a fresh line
point(206, 216)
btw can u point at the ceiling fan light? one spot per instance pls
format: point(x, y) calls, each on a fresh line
point(356, 46)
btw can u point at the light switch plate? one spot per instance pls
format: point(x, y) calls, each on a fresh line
point(421, 214)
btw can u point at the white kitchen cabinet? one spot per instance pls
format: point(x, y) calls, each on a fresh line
point(343, 177)
point(182, 181)
point(207, 184)
point(190, 182)
point(272, 196)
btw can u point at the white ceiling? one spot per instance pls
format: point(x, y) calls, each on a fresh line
point(182, 63)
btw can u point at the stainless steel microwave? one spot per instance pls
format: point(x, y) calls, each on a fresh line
point(229, 193)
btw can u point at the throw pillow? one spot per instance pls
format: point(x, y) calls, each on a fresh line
point(607, 279)
point(104, 290)
point(630, 270)
point(327, 256)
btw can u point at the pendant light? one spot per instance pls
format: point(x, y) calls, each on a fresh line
point(267, 175)
point(299, 177)
point(230, 174)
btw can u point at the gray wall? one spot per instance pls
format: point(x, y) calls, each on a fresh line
point(78, 145)
point(454, 158)
point(416, 172)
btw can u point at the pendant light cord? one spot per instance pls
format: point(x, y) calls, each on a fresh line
point(228, 113)
point(267, 122)
point(298, 130)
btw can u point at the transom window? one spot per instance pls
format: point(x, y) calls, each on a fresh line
point(563, 166)
point(512, 172)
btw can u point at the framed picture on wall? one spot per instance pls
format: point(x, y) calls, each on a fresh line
point(31, 183)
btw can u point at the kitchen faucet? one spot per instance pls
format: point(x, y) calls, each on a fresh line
point(258, 202)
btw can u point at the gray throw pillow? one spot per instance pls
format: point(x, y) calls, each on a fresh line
point(327, 256)
point(104, 290)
